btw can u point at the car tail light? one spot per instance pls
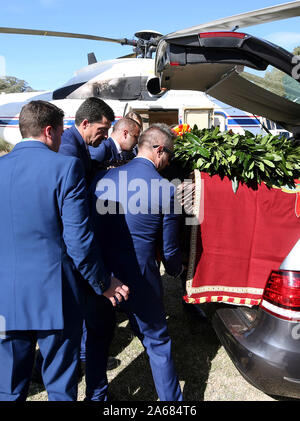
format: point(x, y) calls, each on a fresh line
point(281, 295)
point(222, 34)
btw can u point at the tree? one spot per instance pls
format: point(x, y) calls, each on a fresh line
point(278, 82)
point(296, 51)
point(11, 84)
point(272, 80)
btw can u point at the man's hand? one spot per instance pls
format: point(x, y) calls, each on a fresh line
point(116, 292)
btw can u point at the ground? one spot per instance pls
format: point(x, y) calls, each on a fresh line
point(205, 371)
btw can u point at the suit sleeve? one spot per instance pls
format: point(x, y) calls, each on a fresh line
point(171, 251)
point(69, 149)
point(77, 233)
point(100, 153)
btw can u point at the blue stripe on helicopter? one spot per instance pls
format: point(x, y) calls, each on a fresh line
point(9, 122)
point(69, 122)
point(243, 122)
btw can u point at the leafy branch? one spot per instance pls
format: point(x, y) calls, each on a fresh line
point(249, 159)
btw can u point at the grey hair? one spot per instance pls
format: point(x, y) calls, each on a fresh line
point(157, 133)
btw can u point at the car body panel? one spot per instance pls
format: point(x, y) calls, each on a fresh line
point(266, 353)
point(261, 101)
point(215, 63)
point(264, 347)
point(292, 260)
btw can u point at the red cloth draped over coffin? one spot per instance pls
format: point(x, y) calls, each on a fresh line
point(242, 237)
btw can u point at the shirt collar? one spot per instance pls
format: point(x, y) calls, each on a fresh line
point(27, 139)
point(119, 149)
point(143, 157)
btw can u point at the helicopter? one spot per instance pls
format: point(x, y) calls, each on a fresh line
point(130, 83)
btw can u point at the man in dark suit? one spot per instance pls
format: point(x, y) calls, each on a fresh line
point(92, 122)
point(133, 206)
point(123, 139)
point(45, 235)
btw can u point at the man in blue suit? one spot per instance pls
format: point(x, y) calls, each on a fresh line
point(133, 207)
point(123, 139)
point(92, 122)
point(45, 235)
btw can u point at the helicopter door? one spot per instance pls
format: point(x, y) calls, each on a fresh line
point(201, 117)
point(169, 117)
point(220, 121)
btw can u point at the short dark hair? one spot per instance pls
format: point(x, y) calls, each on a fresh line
point(93, 109)
point(36, 115)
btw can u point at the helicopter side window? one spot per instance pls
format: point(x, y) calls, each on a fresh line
point(118, 88)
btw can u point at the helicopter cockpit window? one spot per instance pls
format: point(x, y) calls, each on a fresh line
point(128, 88)
point(67, 91)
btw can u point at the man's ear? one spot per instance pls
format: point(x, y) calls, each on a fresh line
point(160, 150)
point(47, 131)
point(85, 123)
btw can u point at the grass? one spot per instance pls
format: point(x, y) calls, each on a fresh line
point(205, 371)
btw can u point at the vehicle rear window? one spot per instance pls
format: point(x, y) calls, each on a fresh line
point(275, 81)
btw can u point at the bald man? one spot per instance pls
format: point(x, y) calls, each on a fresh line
point(124, 137)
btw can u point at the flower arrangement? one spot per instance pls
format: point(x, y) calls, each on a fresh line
point(250, 159)
point(181, 129)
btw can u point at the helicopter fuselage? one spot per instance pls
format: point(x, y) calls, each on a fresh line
point(119, 79)
point(123, 84)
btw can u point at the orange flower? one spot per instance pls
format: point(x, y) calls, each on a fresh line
point(181, 129)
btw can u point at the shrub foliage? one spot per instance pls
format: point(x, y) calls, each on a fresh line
point(249, 159)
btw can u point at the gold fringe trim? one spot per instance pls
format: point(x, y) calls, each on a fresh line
point(220, 288)
point(223, 299)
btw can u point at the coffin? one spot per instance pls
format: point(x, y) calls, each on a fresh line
point(236, 239)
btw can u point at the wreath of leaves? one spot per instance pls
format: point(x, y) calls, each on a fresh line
point(249, 159)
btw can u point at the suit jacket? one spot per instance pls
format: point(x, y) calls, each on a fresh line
point(106, 152)
point(72, 144)
point(45, 235)
point(132, 238)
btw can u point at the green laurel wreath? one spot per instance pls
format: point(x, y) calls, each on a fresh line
point(249, 159)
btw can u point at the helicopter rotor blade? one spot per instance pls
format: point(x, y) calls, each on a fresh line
point(256, 17)
point(63, 34)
